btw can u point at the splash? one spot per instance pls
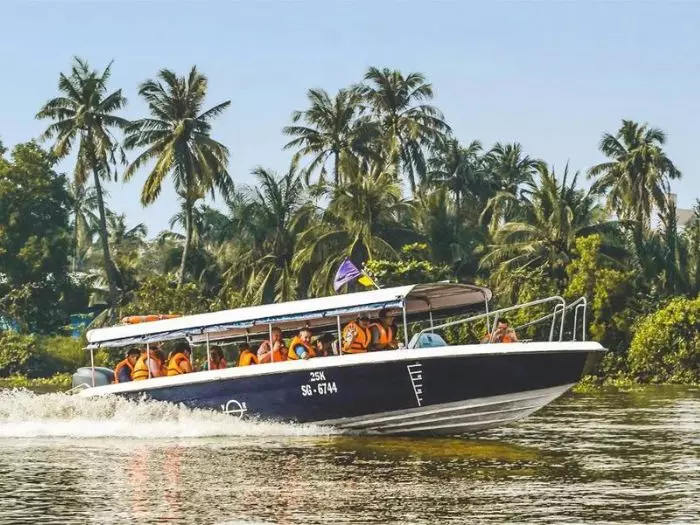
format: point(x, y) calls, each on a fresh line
point(24, 414)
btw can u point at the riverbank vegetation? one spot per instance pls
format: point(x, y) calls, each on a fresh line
point(377, 175)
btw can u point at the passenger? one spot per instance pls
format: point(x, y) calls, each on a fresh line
point(216, 359)
point(275, 351)
point(245, 356)
point(357, 336)
point(502, 334)
point(123, 370)
point(180, 360)
point(149, 359)
point(324, 345)
point(301, 347)
point(384, 332)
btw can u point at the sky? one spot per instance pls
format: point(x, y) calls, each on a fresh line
point(553, 76)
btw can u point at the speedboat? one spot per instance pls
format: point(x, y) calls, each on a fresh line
point(427, 386)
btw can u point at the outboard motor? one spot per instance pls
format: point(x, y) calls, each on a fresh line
point(83, 376)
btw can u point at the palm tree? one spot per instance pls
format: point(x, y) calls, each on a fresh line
point(408, 123)
point(508, 170)
point(551, 214)
point(333, 130)
point(177, 138)
point(460, 170)
point(85, 221)
point(636, 178)
point(269, 222)
point(365, 219)
point(85, 112)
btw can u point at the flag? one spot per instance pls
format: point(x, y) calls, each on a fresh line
point(347, 272)
point(366, 281)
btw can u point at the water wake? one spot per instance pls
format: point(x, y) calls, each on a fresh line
point(24, 414)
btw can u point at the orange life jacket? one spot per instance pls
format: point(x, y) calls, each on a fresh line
point(292, 355)
point(505, 339)
point(140, 370)
point(175, 362)
point(247, 358)
point(355, 338)
point(213, 366)
point(277, 355)
point(121, 365)
point(386, 338)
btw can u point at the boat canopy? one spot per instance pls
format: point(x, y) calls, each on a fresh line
point(318, 312)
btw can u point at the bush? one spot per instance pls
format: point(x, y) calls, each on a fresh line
point(35, 356)
point(666, 344)
point(16, 352)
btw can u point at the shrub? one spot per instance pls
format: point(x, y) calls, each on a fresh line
point(16, 353)
point(666, 344)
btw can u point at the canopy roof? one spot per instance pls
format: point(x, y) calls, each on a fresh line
point(319, 312)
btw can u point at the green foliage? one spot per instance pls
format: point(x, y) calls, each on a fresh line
point(36, 356)
point(610, 293)
point(57, 383)
point(161, 295)
point(666, 344)
point(412, 266)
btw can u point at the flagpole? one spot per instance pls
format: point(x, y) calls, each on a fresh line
point(368, 277)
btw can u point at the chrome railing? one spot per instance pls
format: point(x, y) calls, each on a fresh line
point(557, 316)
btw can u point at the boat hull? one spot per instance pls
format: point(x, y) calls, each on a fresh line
point(448, 390)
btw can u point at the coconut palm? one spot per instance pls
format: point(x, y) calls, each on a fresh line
point(268, 221)
point(178, 141)
point(409, 124)
point(460, 170)
point(84, 113)
point(636, 176)
point(332, 130)
point(551, 214)
point(366, 218)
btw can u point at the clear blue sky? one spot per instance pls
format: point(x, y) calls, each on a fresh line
point(551, 75)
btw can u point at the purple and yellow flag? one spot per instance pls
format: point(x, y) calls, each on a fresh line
point(348, 272)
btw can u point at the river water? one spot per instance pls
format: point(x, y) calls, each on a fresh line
point(595, 458)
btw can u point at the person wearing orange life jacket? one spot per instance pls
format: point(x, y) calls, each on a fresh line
point(180, 360)
point(216, 359)
point(502, 334)
point(357, 336)
point(384, 332)
point(149, 359)
point(300, 347)
point(273, 351)
point(245, 356)
point(123, 370)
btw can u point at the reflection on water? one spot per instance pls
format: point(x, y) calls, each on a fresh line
point(607, 458)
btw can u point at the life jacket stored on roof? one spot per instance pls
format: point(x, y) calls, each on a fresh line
point(121, 365)
point(137, 319)
point(296, 341)
point(247, 358)
point(355, 338)
point(140, 371)
point(179, 364)
point(385, 339)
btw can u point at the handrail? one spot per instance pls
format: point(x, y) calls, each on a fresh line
point(560, 302)
point(580, 303)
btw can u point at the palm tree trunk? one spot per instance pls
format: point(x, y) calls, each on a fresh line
point(188, 241)
point(109, 265)
point(336, 168)
point(75, 242)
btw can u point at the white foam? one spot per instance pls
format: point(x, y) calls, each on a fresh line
point(24, 414)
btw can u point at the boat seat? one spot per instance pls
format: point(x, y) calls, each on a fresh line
point(426, 340)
